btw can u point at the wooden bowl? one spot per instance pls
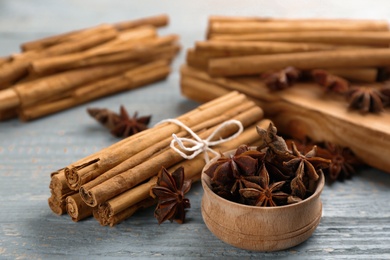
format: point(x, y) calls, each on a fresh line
point(260, 228)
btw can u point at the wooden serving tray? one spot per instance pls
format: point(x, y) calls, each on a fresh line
point(303, 110)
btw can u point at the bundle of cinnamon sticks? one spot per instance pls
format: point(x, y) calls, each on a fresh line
point(115, 182)
point(65, 70)
point(239, 49)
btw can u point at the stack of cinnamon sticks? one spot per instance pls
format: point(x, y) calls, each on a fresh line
point(62, 71)
point(240, 49)
point(237, 46)
point(115, 182)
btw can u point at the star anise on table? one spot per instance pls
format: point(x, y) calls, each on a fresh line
point(120, 125)
point(343, 161)
point(331, 82)
point(127, 125)
point(170, 191)
point(282, 79)
point(366, 99)
point(262, 193)
point(305, 168)
point(104, 116)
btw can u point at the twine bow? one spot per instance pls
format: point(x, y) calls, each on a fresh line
point(200, 145)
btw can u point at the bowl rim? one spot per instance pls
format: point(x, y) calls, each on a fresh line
point(205, 180)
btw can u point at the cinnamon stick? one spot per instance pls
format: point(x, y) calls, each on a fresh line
point(30, 93)
point(156, 21)
point(231, 48)
point(253, 65)
point(357, 74)
point(375, 39)
point(153, 150)
point(143, 51)
point(59, 192)
point(296, 26)
point(76, 208)
point(132, 177)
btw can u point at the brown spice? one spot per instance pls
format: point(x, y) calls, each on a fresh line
point(120, 125)
point(331, 82)
point(366, 99)
point(170, 190)
point(282, 79)
point(271, 175)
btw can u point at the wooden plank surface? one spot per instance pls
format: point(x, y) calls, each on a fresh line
point(356, 217)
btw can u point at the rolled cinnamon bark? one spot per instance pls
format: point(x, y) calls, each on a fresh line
point(252, 65)
point(76, 208)
point(59, 192)
point(232, 48)
point(136, 50)
point(156, 21)
point(375, 39)
point(30, 93)
point(297, 25)
point(356, 74)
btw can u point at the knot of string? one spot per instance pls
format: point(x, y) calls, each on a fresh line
point(199, 145)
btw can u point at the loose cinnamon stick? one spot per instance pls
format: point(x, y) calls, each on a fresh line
point(49, 41)
point(253, 65)
point(143, 51)
point(156, 21)
point(375, 39)
point(76, 208)
point(296, 26)
point(231, 48)
point(32, 92)
point(128, 179)
point(116, 154)
point(155, 149)
point(156, 71)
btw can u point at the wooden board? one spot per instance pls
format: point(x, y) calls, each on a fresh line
point(305, 110)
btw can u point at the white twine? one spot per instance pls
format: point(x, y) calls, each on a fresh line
point(201, 145)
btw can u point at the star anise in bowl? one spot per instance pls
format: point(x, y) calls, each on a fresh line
point(268, 213)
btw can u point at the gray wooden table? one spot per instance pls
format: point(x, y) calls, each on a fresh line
point(356, 218)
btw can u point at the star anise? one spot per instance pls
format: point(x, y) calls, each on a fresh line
point(305, 167)
point(342, 162)
point(170, 191)
point(262, 193)
point(282, 79)
point(366, 99)
point(127, 125)
point(228, 172)
point(120, 125)
point(104, 116)
point(269, 139)
point(330, 82)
